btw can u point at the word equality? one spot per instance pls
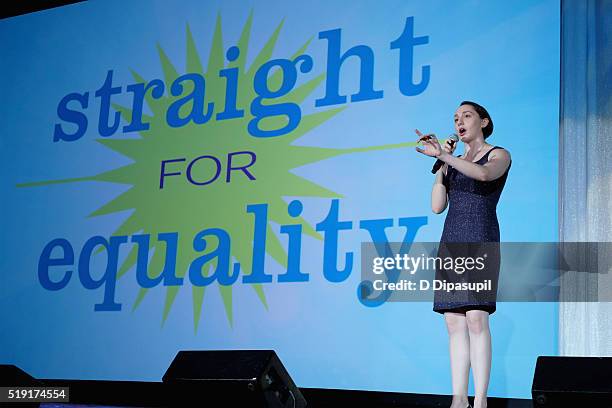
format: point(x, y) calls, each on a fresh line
point(58, 261)
point(71, 109)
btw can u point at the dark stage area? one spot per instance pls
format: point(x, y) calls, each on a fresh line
point(156, 394)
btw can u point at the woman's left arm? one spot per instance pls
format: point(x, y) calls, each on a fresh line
point(495, 167)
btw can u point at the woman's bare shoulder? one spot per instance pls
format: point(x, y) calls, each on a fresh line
point(499, 152)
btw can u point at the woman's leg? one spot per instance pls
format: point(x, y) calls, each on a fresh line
point(480, 354)
point(459, 346)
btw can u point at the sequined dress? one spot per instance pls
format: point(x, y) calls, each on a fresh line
point(471, 230)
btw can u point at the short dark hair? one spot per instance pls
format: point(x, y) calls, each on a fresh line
point(482, 112)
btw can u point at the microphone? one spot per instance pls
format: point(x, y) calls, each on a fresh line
point(439, 163)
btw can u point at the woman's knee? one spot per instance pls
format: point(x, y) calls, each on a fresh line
point(455, 322)
point(477, 321)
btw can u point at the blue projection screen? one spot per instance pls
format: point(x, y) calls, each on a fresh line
point(199, 175)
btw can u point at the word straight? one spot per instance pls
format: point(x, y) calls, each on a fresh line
point(189, 91)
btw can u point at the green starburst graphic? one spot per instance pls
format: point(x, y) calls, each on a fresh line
point(186, 208)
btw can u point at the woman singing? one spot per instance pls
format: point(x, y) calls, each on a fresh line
point(471, 184)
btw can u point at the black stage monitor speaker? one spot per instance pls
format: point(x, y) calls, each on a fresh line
point(246, 378)
point(572, 382)
point(11, 375)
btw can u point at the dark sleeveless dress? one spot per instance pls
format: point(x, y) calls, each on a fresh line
point(470, 230)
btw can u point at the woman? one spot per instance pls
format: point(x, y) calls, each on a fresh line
point(471, 184)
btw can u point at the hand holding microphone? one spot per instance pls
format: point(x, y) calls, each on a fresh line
point(449, 147)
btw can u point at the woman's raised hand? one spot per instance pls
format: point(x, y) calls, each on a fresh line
point(431, 146)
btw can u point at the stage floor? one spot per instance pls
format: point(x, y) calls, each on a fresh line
point(324, 398)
